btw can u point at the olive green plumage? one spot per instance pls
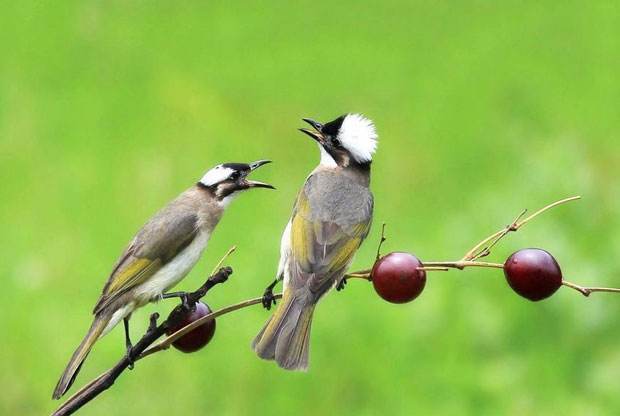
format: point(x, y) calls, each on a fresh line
point(331, 218)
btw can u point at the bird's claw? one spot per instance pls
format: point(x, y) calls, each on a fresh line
point(129, 354)
point(268, 299)
point(341, 284)
point(185, 301)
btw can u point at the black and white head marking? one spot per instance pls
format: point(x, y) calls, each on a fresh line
point(227, 179)
point(350, 139)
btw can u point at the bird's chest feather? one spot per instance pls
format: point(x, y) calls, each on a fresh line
point(174, 271)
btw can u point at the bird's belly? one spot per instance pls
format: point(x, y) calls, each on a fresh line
point(173, 272)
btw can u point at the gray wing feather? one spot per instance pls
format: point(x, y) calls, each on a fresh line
point(336, 220)
point(159, 241)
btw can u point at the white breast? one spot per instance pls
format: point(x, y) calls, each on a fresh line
point(285, 254)
point(173, 272)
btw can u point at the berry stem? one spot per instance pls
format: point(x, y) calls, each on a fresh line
point(586, 290)
point(381, 241)
point(362, 274)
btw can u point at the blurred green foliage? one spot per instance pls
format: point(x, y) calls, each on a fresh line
point(110, 109)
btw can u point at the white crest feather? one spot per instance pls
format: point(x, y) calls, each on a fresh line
point(358, 135)
point(216, 175)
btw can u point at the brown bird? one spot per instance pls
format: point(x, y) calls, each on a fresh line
point(161, 254)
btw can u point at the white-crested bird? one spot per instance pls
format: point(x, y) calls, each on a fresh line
point(161, 254)
point(331, 217)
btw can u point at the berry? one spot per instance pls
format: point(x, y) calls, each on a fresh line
point(533, 273)
point(200, 336)
point(396, 277)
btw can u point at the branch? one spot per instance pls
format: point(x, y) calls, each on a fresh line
point(478, 251)
point(482, 249)
point(166, 342)
point(107, 379)
point(145, 347)
point(381, 241)
point(461, 264)
point(586, 290)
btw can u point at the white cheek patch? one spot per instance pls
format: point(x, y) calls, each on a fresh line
point(216, 175)
point(326, 159)
point(358, 135)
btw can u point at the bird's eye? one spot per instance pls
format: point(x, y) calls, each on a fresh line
point(234, 176)
point(336, 142)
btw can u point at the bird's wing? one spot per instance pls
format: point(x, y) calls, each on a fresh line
point(158, 242)
point(322, 249)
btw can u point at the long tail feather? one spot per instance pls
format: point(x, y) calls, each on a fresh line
point(286, 336)
point(78, 357)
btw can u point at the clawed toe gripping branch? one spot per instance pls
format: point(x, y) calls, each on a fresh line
point(147, 344)
point(141, 348)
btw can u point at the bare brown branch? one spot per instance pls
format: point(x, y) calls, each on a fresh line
point(147, 344)
point(107, 379)
point(587, 290)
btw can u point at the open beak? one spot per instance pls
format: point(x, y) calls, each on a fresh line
point(258, 164)
point(316, 133)
point(257, 184)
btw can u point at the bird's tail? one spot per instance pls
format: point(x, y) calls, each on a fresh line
point(286, 336)
point(78, 357)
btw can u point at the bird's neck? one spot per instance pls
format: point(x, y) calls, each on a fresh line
point(358, 173)
point(208, 206)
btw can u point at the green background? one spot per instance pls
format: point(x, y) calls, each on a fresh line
point(110, 109)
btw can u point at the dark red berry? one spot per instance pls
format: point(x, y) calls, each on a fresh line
point(199, 337)
point(396, 277)
point(533, 273)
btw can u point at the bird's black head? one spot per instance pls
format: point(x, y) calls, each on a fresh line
point(350, 139)
point(227, 179)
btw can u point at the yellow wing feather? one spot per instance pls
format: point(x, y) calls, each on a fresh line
point(323, 248)
point(130, 275)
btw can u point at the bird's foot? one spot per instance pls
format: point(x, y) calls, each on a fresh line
point(341, 284)
point(128, 344)
point(185, 301)
point(129, 355)
point(268, 298)
point(184, 296)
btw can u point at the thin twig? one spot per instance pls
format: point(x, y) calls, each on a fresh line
point(381, 241)
point(495, 237)
point(361, 274)
point(512, 227)
point(224, 257)
point(587, 290)
point(166, 342)
point(434, 269)
point(461, 264)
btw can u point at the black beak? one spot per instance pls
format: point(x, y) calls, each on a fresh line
point(258, 164)
point(315, 124)
point(316, 135)
point(257, 184)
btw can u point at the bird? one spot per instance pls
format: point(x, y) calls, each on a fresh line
point(331, 217)
point(161, 254)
